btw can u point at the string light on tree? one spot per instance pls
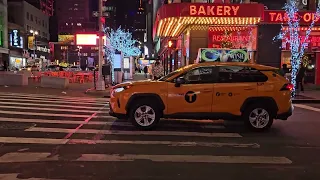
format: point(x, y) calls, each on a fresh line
point(119, 40)
point(291, 36)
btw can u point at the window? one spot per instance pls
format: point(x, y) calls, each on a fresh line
point(28, 15)
point(200, 75)
point(36, 20)
point(31, 17)
point(234, 74)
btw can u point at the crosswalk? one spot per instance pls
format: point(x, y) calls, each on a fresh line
point(30, 121)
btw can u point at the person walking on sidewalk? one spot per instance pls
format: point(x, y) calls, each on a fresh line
point(300, 78)
point(157, 70)
point(145, 70)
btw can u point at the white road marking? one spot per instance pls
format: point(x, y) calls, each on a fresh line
point(14, 177)
point(21, 140)
point(56, 97)
point(50, 101)
point(44, 114)
point(108, 123)
point(18, 157)
point(307, 107)
point(47, 121)
point(54, 100)
point(132, 133)
point(48, 109)
point(51, 105)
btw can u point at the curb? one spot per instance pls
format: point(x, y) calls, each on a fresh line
point(104, 94)
point(303, 101)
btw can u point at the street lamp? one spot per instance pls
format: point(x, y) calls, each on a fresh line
point(34, 34)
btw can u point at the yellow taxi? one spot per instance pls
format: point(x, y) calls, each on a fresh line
point(254, 93)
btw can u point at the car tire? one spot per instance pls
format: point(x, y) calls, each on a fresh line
point(144, 115)
point(258, 117)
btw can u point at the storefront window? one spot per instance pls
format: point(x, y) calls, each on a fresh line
point(17, 63)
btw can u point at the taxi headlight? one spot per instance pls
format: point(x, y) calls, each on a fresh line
point(120, 89)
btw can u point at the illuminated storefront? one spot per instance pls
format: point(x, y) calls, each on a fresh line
point(205, 25)
point(311, 58)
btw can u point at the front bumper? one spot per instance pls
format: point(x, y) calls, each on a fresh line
point(286, 115)
point(116, 115)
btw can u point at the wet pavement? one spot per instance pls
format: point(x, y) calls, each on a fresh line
point(61, 137)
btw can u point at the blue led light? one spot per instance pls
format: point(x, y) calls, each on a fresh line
point(291, 35)
point(122, 41)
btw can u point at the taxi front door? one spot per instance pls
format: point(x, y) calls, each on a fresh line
point(193, 98)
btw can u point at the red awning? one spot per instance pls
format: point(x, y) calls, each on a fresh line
point(172, 19)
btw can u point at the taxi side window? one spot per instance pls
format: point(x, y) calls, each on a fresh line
point(199, 76)
point(234, 74)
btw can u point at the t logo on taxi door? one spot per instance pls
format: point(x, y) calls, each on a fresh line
point(190, 97)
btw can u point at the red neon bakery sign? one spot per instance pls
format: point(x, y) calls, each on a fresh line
point(278, 17)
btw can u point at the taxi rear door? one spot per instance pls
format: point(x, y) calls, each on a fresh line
point(233, 87)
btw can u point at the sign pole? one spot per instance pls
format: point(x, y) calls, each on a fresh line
point(100, 84)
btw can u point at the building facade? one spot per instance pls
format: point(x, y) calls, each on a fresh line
point(181, 29)
point(28, 35)
point(4, 51)
point(46, 6)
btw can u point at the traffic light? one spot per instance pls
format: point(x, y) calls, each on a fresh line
point(171, 44)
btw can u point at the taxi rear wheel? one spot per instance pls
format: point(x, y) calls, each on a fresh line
point(258, 117)
point(144, 115)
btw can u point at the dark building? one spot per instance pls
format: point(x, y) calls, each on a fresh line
point(111, 9)
point(74, 16)
point(139, 25)
point(46, 6)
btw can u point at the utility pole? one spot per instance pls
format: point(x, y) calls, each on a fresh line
point(100, 86)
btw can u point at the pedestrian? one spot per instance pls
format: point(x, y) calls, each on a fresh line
point(145, 70)
point(157, 70)
point(284, 70)
point(5, 65)
point(300, 77)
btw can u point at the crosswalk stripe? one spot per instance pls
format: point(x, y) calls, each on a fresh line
point(307, 107)
point(48, 109)
point(21, 140)
point(44, 114)
point(52, 100)
point(53, 96)
point(140, 133)
point(14, 177)
point(19, 157)
point(50, 105)
point(108, 123)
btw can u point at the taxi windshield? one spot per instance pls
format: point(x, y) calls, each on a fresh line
point(168, 76)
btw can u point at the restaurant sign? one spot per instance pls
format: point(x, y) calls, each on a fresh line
point(278, 17)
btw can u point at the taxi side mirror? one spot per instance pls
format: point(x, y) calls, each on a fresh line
point(179, 81)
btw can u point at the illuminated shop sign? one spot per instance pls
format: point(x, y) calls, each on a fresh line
point(282, 17)
point(214, 10)
point(223, 55)
point(15, 39)
point(223, 10)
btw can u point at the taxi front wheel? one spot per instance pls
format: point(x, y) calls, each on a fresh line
point(144, 115)
point(258, 117)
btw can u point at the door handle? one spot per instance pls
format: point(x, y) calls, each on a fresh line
point(206, 90)
point(248, 89)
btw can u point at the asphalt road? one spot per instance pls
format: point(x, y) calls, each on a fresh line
point(58, 137)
